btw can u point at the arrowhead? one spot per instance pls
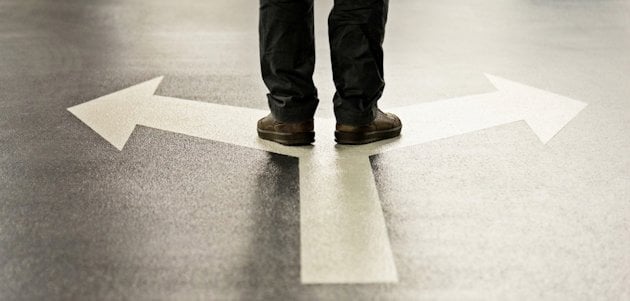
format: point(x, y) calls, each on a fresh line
point(114, 116)
point(545, 112)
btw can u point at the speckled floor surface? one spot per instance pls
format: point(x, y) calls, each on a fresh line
point(492, 214)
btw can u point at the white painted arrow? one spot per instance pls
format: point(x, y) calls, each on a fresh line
point(546, 113)
point(115, 116)
point(343, 233)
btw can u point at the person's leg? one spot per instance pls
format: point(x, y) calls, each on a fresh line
point(356, 32)
point(287, 58)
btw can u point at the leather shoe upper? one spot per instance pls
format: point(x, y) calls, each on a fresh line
point(269, 123)
point(382, 122)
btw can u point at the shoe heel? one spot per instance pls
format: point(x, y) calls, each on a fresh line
point(292, 139)
point(350, 138)
point(355, 138)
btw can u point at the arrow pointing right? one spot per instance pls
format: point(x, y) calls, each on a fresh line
point(545, 112)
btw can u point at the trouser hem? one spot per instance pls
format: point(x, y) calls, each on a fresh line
point(295, 113)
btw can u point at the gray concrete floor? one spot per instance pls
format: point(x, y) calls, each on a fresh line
point(492, 214)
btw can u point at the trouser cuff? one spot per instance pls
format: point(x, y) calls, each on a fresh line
point(356, 117)
point(292, 109)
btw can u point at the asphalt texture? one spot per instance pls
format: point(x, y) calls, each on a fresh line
point(492, 214)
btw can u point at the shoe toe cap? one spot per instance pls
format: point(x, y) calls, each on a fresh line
point(396, 121)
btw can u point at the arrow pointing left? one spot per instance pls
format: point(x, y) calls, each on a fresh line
point(114, 117)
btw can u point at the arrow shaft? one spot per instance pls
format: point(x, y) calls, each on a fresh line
point(443, 119)
point(452, 117)
point(199, 119)
point(343, 233)
point(228, 124)
point(235, 125)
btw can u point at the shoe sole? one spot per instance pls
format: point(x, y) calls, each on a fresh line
point(356, 138)
point(290, 139)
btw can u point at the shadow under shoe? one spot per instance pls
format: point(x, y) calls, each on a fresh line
point(286, 133)
point(384, 126)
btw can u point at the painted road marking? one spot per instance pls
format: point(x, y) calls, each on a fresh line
point(342, 229)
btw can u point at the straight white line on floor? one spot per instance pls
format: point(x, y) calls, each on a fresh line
point(343, 233)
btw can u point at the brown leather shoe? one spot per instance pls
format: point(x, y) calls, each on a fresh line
point(385, 126)
point(298, 133)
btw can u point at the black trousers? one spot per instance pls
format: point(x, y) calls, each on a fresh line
point(356, 30)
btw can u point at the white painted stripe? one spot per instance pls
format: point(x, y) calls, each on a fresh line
point(343, 234)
